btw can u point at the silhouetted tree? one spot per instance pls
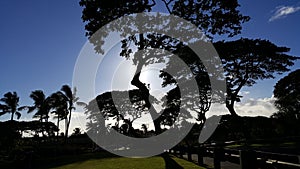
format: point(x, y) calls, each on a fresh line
point(171, 107)
point(287, 94)
point(195, 100)
point(70, 97)
point(232, 129)
point(36, 127)
point(59, 107)
point(10, 105)
point(117, 106)
point(248, 60)
point(212, 17)
point(41, 105)
point(76, 131)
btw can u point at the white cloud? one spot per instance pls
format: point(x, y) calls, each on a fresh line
point(256, 107)
point(250, 107)
point(243, 93)
point(283, 11)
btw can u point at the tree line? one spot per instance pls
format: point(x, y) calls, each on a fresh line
point(60, 104)
point(244, 61)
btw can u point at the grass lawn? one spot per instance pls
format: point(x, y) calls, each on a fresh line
point(186, 164)
point(100, 160)
point(124, 163)
point(116, 163)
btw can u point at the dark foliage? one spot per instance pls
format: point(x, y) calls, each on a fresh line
point(233, 128)
point(287, 94)
point(248, 60)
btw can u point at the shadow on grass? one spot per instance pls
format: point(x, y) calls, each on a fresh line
point(170, 163)
point(64, 160)
point(52, 162)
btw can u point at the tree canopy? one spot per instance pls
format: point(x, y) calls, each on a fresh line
point(119, 109)
point(248, 60)
point(211, 17)
point(287, 94)
point(70, 97)
point(10, 104)
point(41, 105)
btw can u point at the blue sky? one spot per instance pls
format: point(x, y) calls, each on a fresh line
point(282, 30)
point(40, 42)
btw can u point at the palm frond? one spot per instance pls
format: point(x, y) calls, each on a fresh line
point(38, 97)
point(2, 113)
point(22, 108)
point(67, 91)
point(31, 109)
point(61, 95)
point(82, 104)
point(18, 114)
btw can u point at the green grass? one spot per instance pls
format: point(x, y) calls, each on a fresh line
point(116, 163)
point(187, 165)
point(124, 163)
point(102, 160)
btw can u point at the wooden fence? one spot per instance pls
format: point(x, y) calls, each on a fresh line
point(246, 158)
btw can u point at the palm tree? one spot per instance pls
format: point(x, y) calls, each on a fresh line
point(41, 105)
point(59, 106)
point(10, 105)
point(71, 98)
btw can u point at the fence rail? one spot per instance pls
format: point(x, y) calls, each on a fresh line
point(246, 158)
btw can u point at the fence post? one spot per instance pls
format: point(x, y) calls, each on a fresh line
point(218, 154)
point(181, 151)
point(200, 155)
point(189, 153)
point(248, 159)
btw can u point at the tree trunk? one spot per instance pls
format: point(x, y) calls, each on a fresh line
point(230, 107)
point(233, 96)
point(142, 87)
point(57, 126)
point(12, 116)
point(156, 125)
point(42, 127)
point(145, 95)
point(68, 124)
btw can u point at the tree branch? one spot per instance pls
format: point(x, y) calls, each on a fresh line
point(167, 5)
point(154, 3)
